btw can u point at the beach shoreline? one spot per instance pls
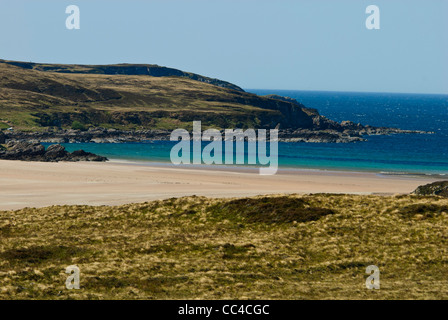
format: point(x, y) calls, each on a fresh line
point(281, 169)
point(42, 184)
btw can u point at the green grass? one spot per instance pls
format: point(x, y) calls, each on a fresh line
point(277, 247)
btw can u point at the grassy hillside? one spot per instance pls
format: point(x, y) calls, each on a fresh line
point(283, 247)
point(123, 69)
point(36, 96)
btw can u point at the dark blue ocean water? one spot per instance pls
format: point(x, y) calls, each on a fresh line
point(426, 154)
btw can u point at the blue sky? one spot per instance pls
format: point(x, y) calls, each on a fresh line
point(295, 45)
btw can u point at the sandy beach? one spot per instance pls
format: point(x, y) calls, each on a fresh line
point(39, 184)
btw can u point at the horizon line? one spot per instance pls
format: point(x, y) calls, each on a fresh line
point(347, 91)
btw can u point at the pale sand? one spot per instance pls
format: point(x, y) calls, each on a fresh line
point(38, 184)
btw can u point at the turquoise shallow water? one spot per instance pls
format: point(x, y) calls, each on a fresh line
point(425, 154)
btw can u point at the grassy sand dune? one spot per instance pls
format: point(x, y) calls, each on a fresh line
point(280, 247)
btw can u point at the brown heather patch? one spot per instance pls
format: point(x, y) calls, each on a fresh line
point(277, 247)
point(423, 210)
point(40, 254)
point(274, 210)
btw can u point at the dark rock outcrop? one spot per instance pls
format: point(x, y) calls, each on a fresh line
point(81, 155)
point(55, 151)
point(23, 150)
point(34, 151)
point(282, 98)
point(2, 137)
point(319, 136)
point(439, 188)
point(328, 132)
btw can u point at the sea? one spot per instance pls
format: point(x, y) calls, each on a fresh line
point(416, 154)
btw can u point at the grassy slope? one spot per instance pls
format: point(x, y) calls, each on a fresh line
point(211, 248)
point(124, 69)
point(32, 99)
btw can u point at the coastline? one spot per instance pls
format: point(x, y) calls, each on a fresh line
point(281, 169)
point(41, 184)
